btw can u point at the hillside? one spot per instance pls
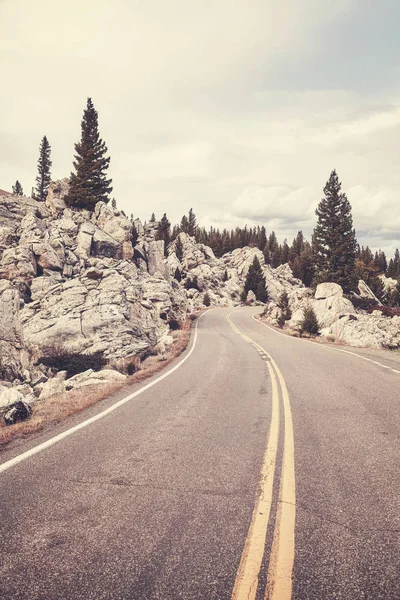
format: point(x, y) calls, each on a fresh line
point(86, 290)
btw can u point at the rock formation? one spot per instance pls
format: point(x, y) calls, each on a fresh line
point(74, 286)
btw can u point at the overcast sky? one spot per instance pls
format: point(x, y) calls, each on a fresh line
point(237, 108)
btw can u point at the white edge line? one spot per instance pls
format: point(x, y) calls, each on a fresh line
point(375, 362)
point(54, 440)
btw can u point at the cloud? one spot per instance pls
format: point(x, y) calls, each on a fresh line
point(199, 106)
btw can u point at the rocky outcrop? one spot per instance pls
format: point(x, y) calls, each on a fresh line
point(73, 285)
point(111, 307)
point(368, 330)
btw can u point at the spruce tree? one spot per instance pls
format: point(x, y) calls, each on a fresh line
point(153, 218)
point(396, 263)
point(114, 203)
point(134, 234)
point(192, 223)
point(255, 281)
point(309, 323)
point(44, 176)
point(334, 241)
point(17, 189)
point(164, 232)
point(184, 226)
point(89, 184)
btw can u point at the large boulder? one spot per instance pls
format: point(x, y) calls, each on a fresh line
point(327, 290)
point(155, 258)
point(364, 330)
point(329, 310)
point(241, 259)
point(193, 254)
point(52, 387)
point(55, 201)
point(104, 244)
point(18, 263)
point(113, 222)
point(84, 240)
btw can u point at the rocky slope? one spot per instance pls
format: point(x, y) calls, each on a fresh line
point(73, 286)
point(338, 317)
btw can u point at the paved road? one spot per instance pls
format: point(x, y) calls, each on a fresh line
point(162, 498)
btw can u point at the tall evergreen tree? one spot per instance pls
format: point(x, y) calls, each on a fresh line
point(164, 232)
point(255, 281)
point(17, 189)
point(192, 223)
point(89, 184)
point(184, 226)
point(334, 241)
point(44, 176)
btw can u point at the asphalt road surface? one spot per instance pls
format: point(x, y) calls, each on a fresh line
point(263, 466)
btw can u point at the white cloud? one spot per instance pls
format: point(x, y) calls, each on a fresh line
point(186, 109)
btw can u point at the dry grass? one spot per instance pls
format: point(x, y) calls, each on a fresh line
point(59, 407)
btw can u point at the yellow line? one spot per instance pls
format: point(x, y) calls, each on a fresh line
point(247, 576)
point(279, 582)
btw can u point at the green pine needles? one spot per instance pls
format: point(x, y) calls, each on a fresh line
point(89, 183)
point(44, 176)
point(17, 189)
point(334, 239)
point(309, 323)
point(255, 281)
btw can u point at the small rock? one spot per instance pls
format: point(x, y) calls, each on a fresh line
point(20, 411)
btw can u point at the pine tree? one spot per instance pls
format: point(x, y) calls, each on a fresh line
point(261, 291)
point(89, 184)
point(114, 203)
point(309, 323)
point(396, 263)
point(391, 270)
point(17, 189)
point(334, 241)
point(153, 218)
point(192, 223)
point(283, 304)
point(255, 281)
point(285, 252)
point(44, 176)
point(206, 299)
point(164, 232)
point(134, 234)
point(184, 226)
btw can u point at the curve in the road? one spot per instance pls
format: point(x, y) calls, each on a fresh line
point(375, 362)
point(58, 438)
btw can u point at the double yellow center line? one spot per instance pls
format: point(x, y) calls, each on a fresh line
point(279, 578)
